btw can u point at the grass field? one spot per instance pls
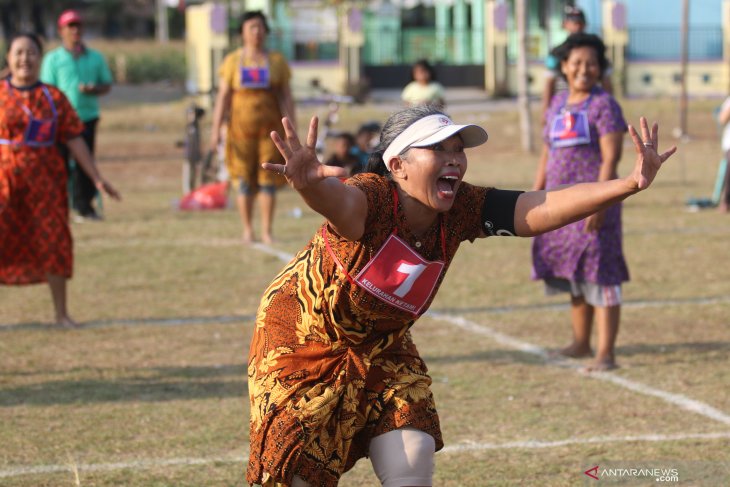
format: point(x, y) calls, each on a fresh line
point(151, 391)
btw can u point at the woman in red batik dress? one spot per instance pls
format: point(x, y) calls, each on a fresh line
point(35, 239)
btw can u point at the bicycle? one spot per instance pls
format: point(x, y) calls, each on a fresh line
point(198, 169)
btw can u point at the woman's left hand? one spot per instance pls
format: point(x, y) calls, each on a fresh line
point(648, 159)
point(104, 185)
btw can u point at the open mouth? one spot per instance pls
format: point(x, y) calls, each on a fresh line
point(446, 185)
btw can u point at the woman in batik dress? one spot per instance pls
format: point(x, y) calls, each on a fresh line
point(333, 373)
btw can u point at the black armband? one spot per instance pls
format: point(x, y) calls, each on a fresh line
point(498, 212)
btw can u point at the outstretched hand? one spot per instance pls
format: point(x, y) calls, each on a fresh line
point(648, 159)
point(301, 167)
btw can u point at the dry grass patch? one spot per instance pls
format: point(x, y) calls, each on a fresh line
point(118, 391)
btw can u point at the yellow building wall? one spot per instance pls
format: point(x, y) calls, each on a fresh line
point(331, 77)
point(536, 77)
point(204, 48)
point(662, 79)
point(703, 79)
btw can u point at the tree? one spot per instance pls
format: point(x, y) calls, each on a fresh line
point(523, 99)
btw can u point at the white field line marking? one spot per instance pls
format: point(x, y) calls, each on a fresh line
point(529, 444)
point(191, 320)
point(222, 319)
point(103, 467)
point(679, 400)
point(267, 249)
point(639, 303)
point(457, 448)
point(234, 242)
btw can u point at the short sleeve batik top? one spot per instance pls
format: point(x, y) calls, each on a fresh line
point(331, 366)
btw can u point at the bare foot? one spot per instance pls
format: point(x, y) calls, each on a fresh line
point(602, 365)
point(66, 322)
point(267, 239)
point(573, 350)
point(248, 237)
point(722, 208)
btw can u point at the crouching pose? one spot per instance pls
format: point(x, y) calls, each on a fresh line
point(333, 373)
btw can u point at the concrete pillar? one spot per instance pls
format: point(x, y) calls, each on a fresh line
point(205, 42)
point(352, 38)
point(496, 14)
point(616, 38)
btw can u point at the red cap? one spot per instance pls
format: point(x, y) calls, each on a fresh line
point(69, 17)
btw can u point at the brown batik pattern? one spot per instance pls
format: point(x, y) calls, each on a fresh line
point(331, 366)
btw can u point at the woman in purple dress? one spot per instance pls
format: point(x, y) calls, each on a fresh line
point(583, 138)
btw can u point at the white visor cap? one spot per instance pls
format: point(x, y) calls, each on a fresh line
point(431, 130)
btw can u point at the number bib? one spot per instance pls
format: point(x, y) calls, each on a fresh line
point(569, 129)
point(40, 133)
point(399, 276)
point(255, 77)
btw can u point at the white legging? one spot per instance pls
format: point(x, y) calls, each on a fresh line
point(403, 457)
point(400, 458)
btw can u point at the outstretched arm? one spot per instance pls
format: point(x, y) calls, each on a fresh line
point(541, 211)
point(345, 207)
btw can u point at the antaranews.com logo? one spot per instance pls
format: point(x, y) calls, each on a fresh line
point(622, 473)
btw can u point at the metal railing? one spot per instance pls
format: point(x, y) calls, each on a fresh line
point(663, 43)
point(309, 45)
point(385, 46)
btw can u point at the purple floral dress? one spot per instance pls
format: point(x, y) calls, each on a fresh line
point(570, 252)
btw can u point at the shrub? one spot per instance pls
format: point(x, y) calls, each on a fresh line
point(144, 61)
point(149, 67)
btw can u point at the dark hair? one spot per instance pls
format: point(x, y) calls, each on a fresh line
point(253, 14)
point(395, 125)
point(347, 136)
point(371, 127)
point(574, 14)
point(34, 38)
point(423, 63)
point(581, 39)
point(5, 71)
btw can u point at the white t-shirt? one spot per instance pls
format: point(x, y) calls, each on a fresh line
point(417, 94)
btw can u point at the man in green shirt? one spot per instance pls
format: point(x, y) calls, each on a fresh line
point(82, 74)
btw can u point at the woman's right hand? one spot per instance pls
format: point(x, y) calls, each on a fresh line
point(215, 140)
point(105, 186)
point(301, 166)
